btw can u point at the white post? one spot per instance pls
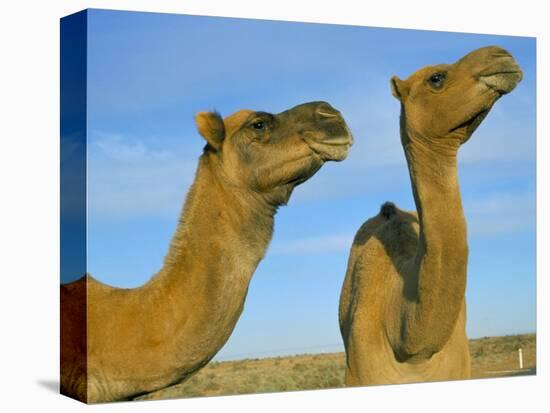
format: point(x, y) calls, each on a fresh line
point(520, 355)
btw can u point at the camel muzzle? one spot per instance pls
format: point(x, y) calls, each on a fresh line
point(503, 75)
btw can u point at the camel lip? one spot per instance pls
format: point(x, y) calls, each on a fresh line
point(331, 149)
point(502, 66)
point(297, 181)
point(340, 141)
point(472, 121)
point(502, 72)
point(502, 78)
point(490, 79)
point(300, 178)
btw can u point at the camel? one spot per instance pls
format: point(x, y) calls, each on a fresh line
point(402, 309)
point(120, 343)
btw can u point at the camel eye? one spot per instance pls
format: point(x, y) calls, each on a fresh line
point(261, 121)
point(436, 80)
point(259, 125)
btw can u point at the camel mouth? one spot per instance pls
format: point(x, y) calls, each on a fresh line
point(304, 174)
point(471, 124)
point(297, 181)
point(338, 141)
point(333, 149)
point(504, 80)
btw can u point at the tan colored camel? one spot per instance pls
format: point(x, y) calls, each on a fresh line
point(143, 339)
point(402, 308)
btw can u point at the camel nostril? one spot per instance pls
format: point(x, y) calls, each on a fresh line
point(324, 110)
point(499, 52)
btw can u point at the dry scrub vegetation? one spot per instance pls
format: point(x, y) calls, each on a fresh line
point(491, 357)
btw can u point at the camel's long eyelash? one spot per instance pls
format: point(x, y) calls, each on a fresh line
point(265, 118)
point(437, 78)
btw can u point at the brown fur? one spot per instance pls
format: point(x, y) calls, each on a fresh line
point(142, 339)
point(402, 307)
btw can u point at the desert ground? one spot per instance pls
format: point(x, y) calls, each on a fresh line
point(491, 357)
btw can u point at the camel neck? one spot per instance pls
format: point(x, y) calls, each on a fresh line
point(221, 237)
point(219, 222)
point(438, 278)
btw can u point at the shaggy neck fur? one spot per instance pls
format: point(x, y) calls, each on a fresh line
point(229, 229)
point(169, 328)
point(438, 270)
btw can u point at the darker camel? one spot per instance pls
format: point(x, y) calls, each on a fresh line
point(402, 307)
point(143, 339)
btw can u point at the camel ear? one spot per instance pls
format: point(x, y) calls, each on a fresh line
point(211, 127)
point(399, 88)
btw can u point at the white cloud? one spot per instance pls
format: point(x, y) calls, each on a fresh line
point(115, 147)
point(129, 178)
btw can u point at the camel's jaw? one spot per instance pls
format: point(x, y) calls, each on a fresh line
point(468, 127)
point(301, 178)
point(322, 150)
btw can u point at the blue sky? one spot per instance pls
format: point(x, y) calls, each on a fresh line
point(148, 74)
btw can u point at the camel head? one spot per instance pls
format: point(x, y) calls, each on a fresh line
point(446, 103)
point(271, 154)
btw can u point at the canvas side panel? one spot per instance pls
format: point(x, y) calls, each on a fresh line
point(73, 368)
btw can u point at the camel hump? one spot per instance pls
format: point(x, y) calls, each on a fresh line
point(388, 210)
